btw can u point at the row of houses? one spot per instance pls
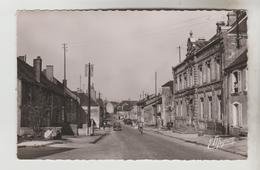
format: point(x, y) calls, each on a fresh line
point(45, 102)
point(208, 92)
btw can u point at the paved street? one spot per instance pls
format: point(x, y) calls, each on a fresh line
point(130, 144)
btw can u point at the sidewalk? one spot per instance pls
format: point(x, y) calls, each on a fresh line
point(229, 144)
point(66, 140)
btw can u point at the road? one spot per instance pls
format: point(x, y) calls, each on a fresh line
point(130, 144)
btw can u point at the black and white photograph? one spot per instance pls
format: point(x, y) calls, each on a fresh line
point(132, 84)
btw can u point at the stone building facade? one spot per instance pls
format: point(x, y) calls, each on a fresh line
point(236, 74)
point(41, 99)
point(199, 81)
point(167, 105)
point(150, 109)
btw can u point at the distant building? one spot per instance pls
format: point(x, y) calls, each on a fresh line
point(150, 108)
point(124, 108)
point(94, 106)
point(167, 104)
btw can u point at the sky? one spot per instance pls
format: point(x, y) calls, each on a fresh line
point(126, 47)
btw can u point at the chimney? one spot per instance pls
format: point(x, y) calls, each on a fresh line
point(231, 18)
point(219, 25)
point(23, 58)
point(49, 72)
point(37, 65)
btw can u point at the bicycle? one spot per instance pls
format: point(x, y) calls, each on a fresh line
point(141, 130)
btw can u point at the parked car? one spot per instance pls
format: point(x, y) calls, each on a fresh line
point(117, 126)
point(107, 124)
point(128, 121)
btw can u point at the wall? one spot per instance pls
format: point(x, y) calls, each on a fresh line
point(95, 114)
point(166, 105)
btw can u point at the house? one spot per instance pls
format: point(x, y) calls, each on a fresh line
point(150, 108)
point(42, 101)
point(124, 108)
point(95, 113)
point(237, 78)
point(167, 104)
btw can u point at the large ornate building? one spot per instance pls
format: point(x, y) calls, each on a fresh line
point(200, 92)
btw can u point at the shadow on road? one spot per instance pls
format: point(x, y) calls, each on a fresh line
point(36, 152)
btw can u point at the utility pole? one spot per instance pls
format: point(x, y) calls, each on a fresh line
point(64, 83)
point(80, 83)
point(89, 73)
point(64, 46)
point(89, 98)
point(179, 48)
point(155, 83)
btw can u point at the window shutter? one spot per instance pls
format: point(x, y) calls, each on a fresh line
point(232, 80)
point(240, 115)
point(239, 80)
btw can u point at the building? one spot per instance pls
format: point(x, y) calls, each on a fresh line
point(149, 109)
point(95, 109)
point(43, 101)
point(236, 74)
point(200, 82)
point(167, 104)
point(124, 108)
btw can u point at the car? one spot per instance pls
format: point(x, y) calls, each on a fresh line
point(117, 126)
point(128, 121)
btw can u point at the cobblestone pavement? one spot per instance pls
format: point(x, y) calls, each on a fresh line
point(130, 144)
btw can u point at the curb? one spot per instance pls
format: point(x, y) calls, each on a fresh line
point(42, 145)
point(195, 142)
point(99, 138)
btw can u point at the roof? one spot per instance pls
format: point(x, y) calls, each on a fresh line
point(126, 105)
point(25, 72)
point(150, 100)
point(200, 45)
point(84, 100)
point(240, 60)
point(168, 84)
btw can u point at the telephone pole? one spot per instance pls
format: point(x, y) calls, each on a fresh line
point(64, 46)
point(88, 73)
point(89, 97)
point(155, 84)
point(179, 48)
point(80, 83)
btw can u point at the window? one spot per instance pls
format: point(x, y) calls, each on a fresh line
point(236, 81)
point(177, 108)
point(246, 79)
point(180, 83)
point(210, 107)
point(217, 59)
point(200, 75)
point(237, 114)
point(177, 83)
point(191, 77)
point(208, 71)
point(219, 107)
point(181, 108)
point(204, 74)
point(201, 107)
point(185, 80)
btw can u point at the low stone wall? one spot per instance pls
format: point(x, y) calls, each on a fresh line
point(25, 131)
